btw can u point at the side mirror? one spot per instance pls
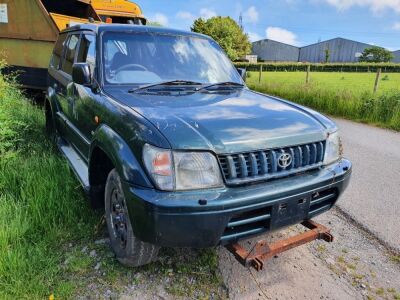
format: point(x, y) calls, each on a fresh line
point(242, 73)
point(81, 74)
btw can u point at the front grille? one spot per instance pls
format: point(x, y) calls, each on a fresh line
point(263, 165)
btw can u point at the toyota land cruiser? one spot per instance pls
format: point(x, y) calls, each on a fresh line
point(162, 132)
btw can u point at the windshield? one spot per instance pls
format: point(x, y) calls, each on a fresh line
point(146, 58)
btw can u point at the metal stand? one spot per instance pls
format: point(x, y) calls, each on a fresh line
point(262, 251)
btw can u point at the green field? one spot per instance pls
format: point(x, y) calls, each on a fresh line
point(347, 95)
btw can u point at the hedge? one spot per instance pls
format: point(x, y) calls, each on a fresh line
point(319, 67)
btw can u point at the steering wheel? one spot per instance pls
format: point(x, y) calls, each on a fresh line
point(131, 67)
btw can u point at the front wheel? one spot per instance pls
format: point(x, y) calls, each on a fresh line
point(129, 250)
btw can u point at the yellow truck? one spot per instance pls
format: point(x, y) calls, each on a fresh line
point(29, 29)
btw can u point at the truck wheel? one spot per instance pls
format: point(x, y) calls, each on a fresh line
point(129, 250)
point(50, 127)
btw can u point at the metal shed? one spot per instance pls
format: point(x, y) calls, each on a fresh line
point(396, 56)
point(269, 50)
point(341, 50)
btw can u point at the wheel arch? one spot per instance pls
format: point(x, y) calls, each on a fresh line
point(108, 151)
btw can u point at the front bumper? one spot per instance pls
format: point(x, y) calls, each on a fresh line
point(207, 218)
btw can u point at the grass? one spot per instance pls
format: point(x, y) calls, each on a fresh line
point(346, 95)
point(47, 228)
point(41, 205)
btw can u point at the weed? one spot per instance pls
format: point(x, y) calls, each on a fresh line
point(395, 258)
point(380, 291)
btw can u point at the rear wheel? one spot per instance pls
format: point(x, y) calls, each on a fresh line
point(50, 126)
point(129, 250)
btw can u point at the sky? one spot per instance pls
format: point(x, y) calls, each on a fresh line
point(296, 22)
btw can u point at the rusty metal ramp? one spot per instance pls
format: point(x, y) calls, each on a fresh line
point(263, 250)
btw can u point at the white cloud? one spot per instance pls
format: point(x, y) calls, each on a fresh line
point(281, 35)
point(251, 15)
point(207, 13)
point(396, 26)
point(253, 36)
point(185, 15)
point(375, 5)
point(160, 18)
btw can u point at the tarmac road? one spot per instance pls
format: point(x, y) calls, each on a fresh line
point(373, 197)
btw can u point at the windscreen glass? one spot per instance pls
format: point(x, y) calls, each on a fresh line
point(145, 58)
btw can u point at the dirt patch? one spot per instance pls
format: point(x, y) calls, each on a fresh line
point(354, 266)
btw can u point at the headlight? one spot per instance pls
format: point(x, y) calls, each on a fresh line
point(333, 148)
point(179, 171)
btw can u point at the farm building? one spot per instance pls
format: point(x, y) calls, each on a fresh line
point(340, 50)
point(396, 55)
point(269, 50)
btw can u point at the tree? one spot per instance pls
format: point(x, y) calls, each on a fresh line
point(327, 55)
point(154, 23)
point(227, 33)
point(376, 54)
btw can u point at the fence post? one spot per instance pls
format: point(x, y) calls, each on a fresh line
point(308, 74)
point(259, 75)
point(378, 76)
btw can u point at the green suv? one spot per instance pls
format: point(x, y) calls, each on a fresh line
point(163, 133)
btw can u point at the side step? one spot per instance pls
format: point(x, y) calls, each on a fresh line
point(77, 164)
point(262, 251)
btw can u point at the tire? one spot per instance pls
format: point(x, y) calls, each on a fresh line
point(129, 250)
point(51, 131)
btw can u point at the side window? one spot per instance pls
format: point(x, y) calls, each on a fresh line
point(58, 49)
point(87, 51)
point(70, 52)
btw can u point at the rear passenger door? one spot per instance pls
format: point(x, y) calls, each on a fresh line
point(67, 93)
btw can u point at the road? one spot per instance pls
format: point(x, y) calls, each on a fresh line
point(373, 197)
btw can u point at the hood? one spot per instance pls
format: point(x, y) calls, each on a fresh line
point(227, 123)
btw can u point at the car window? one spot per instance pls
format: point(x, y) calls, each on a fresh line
point(143, 58)
point(58, 49)
point(70, 52)
point(87, 51)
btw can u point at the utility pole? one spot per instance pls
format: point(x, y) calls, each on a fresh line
point(241, 21)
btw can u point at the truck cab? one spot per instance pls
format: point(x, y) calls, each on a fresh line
point(163, 133)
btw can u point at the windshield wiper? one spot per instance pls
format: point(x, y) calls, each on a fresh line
point(223, 84)
point(170, 82)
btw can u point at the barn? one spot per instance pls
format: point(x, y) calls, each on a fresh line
point(269, 50)
point(340, 50)
point(396, 56)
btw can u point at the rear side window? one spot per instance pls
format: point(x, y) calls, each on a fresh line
point(87, 51)
point(70, 52)
point(58, 50)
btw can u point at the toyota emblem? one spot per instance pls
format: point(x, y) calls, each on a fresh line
point(284, 160)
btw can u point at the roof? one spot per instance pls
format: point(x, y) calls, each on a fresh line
point(338, 38)
point(135, 28)
point(269, 40)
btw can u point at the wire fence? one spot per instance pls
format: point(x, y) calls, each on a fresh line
point(329, 67)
